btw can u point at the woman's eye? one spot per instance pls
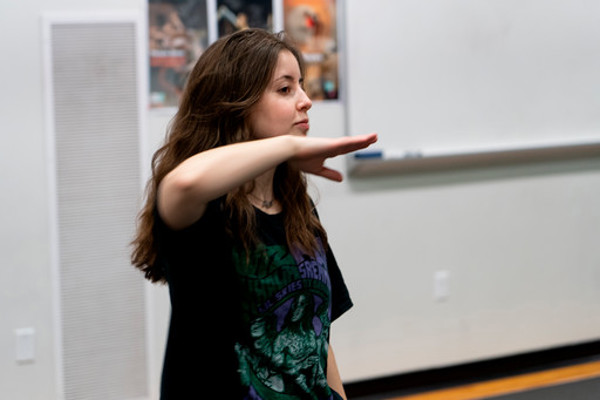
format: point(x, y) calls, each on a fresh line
point(285, 89)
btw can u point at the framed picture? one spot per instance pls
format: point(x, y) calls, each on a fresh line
point(180, 30)
point(177, 36)
point(313, 26)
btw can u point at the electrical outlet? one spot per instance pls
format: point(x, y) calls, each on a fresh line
point(441, 285)
point(25, 346)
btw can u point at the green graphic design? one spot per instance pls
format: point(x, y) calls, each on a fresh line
point(287, 317)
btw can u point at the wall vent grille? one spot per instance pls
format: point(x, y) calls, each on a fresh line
point(95, 136)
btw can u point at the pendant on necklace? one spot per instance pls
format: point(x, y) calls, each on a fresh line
point(267, 204)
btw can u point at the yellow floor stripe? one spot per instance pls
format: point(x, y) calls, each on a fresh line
point(514, 384)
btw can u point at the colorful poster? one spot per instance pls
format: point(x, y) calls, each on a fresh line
point(178, 34)
point(312, 24)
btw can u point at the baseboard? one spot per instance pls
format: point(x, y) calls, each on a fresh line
point(437, 378)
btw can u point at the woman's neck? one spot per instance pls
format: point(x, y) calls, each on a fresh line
point(262, 195)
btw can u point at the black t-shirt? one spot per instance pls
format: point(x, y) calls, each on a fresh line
point(247, 326)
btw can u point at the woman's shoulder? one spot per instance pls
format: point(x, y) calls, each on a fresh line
point(214, 214)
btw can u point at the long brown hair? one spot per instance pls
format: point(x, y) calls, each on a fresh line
point(226, 82)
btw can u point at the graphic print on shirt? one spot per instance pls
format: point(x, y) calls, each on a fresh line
point(286, 312)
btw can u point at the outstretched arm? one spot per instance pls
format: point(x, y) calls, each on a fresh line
point(185, 192)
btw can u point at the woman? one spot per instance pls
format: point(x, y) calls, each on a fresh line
point(228, 224)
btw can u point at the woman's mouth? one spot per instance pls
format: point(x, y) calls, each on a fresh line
point(304, 124)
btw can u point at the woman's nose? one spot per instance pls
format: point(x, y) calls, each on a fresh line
point(304, 102)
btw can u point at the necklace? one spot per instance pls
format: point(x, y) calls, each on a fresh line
point(267, 204)
point(264, 203)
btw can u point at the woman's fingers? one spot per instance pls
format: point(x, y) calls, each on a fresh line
point(312, 158)
point(327, 148)
point(330, 174)
point(360, 142)
point(350, 144)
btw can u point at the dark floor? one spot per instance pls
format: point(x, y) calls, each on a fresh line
point(581, 390)
point(455, 377)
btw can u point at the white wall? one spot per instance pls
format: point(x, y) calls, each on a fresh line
point(518, 242)
point(26, 292)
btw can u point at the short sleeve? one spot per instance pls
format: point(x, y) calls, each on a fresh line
point(340, 297)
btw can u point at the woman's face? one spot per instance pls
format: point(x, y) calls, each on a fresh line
point(283, 107)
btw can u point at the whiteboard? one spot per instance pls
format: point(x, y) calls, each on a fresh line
point(442, 78)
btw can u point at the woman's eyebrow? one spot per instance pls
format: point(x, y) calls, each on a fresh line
point(287, 78)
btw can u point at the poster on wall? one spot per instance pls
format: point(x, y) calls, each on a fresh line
point(178, 35)
point(235, 15)
point(313, 26)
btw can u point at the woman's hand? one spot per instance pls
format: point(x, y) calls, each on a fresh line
point(312, 152)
